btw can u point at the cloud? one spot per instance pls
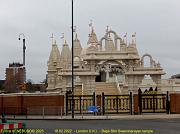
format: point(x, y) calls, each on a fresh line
point(156, 22)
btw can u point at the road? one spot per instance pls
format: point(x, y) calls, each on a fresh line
point(154, 126)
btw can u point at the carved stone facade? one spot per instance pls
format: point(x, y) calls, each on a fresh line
point(109, 60)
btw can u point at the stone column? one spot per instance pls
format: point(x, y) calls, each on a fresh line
point(51, 81)
point(115, 41)
point(107, 76)
point(107, 70)
point(92, 66)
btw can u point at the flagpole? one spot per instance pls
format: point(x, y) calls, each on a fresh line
point(126, 38)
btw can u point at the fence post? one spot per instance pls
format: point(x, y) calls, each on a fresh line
point(94, 99)
point(131, 103)
point(167, 103)
point(14, 116)
point(117, 106)
point(94, 103)
point(66, 103)
point(140, 100)
point(153, 103)
point(99, 102)
point(103, 107)
point(80, 103)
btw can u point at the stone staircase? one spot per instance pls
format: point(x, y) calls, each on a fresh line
point(78, 90)
point(107, 88)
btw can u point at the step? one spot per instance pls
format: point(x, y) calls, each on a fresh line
point(107, 88)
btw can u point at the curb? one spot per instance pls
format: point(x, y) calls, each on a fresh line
point(78, 118)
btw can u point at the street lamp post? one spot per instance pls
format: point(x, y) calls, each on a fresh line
point(24, 47)
point(72, 63)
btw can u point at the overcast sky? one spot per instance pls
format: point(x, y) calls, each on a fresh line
point(156, 23)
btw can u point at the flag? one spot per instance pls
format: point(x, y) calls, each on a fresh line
point(134, 34)
point(74, 29)
point(107, 28)
point(90, 24)
point(62, 36)
point(125, 35)
point(52, 36)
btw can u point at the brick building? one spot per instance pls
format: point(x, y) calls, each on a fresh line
point(15, 75)
point(2, 85)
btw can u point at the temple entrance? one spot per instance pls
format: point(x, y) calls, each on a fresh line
point(101, 77)
point(98, 78)
point(110, 71)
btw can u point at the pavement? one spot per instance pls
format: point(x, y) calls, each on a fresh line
point(97, 117)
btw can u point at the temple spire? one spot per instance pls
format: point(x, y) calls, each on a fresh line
point(54, 55)
point(92, 36)
point(77, 46)
point(65, 59)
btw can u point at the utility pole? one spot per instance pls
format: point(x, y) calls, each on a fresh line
point(72, 63)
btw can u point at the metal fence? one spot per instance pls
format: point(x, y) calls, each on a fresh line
point(117, 103)
point(45, 110)
point(113, 104)
point(153, 103)
point(14, 110)
point(33, 110)
point(108, 104)
point(81, 102)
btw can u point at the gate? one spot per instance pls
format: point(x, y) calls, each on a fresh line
point(117, 103)
point(81, 102)
point(153, 103)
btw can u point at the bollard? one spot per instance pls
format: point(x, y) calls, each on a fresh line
point(82, 112)
point(61, 112)
point(14, 116)
point(26, 112)
point(43, 112)
point(4, 120)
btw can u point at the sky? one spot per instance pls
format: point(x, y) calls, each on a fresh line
point(156, 23)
